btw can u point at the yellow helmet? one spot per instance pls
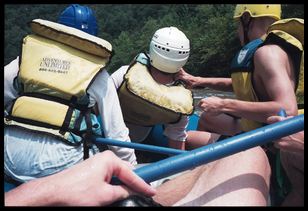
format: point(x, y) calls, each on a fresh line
point(258, 10)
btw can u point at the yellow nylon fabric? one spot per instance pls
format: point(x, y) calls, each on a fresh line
point(41, 110)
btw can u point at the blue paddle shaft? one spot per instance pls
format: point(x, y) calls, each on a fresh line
point(282, 113)
point(226, 147)
point(144, 147)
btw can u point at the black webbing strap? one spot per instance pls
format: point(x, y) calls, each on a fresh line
point(67, 121)
point(88, 135)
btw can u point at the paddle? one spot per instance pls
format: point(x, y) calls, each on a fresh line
point(143, 147)
point(215, 151)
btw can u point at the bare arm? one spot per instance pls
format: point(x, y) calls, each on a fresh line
point(273, 84)
point(85, 184)
point(275, 75)
point(257, 111)
point(292, 143)
point(222, 84)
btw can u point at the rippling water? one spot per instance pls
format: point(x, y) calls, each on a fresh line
point(202, 93)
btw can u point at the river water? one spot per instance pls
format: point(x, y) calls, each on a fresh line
point(206, 92)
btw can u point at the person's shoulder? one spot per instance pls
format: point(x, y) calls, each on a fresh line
point(120, 72)
point(122, 68)
point(271, 53)
point(13, 63)
point(11, 69)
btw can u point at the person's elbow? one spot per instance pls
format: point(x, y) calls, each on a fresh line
point(292, 110)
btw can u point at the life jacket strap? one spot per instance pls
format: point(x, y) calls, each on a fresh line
point(87, 138)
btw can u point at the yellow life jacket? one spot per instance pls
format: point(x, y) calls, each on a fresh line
point(58, 64)
point(287, 33)
point(144, 102)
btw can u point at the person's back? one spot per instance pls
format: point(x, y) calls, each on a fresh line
point(36, 153)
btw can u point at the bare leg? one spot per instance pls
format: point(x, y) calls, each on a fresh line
point(222, 124)
point(240, 179)
point(196, 139)
point(293, 163)
point(206, 123)
point(172, 191)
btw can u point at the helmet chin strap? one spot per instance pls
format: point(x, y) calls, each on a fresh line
point(245, 28)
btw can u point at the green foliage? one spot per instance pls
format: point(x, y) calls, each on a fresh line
point(129, 28)
point(292, 11)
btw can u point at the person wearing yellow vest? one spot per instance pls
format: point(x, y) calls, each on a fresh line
point(50, 92)
point(148, 93)
point(265, 74)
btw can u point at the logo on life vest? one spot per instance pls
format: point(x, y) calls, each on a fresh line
point(55, 65)
point(242, 55)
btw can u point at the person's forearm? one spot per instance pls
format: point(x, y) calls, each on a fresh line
point(221, 84)
point(34, 193)
point(258, 111)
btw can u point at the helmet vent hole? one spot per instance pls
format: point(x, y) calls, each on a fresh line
point(167, 43)
point(163, 48)
point(180, 52)
point(167, 49)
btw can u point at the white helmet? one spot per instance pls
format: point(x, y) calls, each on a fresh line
point(169, 49)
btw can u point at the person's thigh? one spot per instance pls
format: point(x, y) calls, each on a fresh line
point(222, 124)
point(170, 192)
point(163, 180)
point(240, 179)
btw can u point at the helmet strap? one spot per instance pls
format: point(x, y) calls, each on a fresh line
point(246, 29)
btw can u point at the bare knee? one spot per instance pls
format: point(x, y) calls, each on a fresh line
point(196, 139)
point(259, 161)
point(249, 176)
point(221, 124)
point(239, 179)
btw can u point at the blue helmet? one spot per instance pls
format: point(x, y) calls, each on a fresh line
point(79, 17)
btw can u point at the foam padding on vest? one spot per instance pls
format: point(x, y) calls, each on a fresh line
point(40, 110)
point(72, 37)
